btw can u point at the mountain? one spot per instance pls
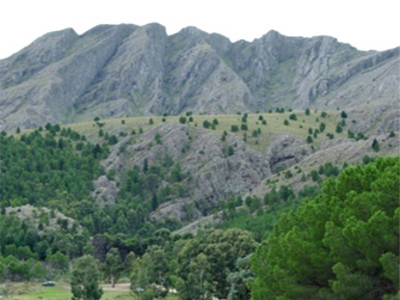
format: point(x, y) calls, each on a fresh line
point(128, 70)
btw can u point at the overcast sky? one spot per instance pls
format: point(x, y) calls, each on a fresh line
point(366, 24)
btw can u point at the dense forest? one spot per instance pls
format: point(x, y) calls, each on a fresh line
point(335, 240)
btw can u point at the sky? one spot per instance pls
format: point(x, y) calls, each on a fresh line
point(366, 25)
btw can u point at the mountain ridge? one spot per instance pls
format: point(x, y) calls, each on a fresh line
point(130, 70)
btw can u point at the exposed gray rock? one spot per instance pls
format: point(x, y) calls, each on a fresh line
point(120, 70)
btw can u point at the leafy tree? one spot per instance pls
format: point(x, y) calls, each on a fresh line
point(85, 279)
point(151, 121)
point(341, 245)
point(234, 128)
point(112, 266)
point(343, 114)
point(293, 117)
point(243, 126)
point(309, 139)
point(286, 122)
point(307, 111)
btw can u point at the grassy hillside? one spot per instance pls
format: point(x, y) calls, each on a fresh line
point(274, 125)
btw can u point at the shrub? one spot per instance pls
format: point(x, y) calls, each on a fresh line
point(330, 135)
point(151, 122)
point(375, 145)
point(264, 122)
point(243, 126)
point(206, 124)
point(260, 118)
point(215, 122)
point(286, 122)
point(234, 128)
point(293, 117)
point(322, 127)
point(339, 128)
point(309, 139)
point(323, 114)
point(343, 114)
point(307, 112)
point(182, 120)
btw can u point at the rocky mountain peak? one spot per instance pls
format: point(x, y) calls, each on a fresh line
point(119, 70)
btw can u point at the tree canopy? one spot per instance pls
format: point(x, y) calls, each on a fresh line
point(344, 244)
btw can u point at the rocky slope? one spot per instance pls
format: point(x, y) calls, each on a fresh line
point(113, 71)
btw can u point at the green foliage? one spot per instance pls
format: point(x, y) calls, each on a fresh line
point(343, 114)
point(231, 150)
point(310, 139)
point(85, 279)
point(307, 111)
point(339, 128)
point(392, 134)
point(204, 264)
point(322, 127)
point(330, 135)
point(206, 124)
point(323, 114)
point(234, 128)
point(293, 117)
point(112, 266)
point(34, 167)
point(151, 121)
point(243, 127)
point(215, 122)
point(182, 120)
point(341, 245)
point(286, 122)
point(375, 145)
point(264, 122)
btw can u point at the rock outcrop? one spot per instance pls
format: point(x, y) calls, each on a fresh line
point(119, 70)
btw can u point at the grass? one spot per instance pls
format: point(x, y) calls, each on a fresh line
point(275, 126)
point(61, 291)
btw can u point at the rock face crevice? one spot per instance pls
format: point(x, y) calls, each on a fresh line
point(120, 70)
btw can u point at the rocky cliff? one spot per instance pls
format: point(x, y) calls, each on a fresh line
point(120, 70)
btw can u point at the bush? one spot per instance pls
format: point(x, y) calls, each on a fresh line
point(206, 124)
point(234, 128)
point(339, 128)
point(330, 135)
point(260, 118)
point(243, 126)
point(343, 115)
point(286, 122)
point(151, 122)
point(323, 114)
point(322, 127)
point(231, 151)
point(264, 122)
point(307, 112)
point(392, 134)
point(309, 139)
point(293, 117)
point(215, 122)
point(375, 145)
point(182, 120)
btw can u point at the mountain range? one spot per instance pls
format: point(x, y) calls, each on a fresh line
point(127, 70)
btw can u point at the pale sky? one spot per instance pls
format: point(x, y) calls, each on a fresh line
point(367, 25)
